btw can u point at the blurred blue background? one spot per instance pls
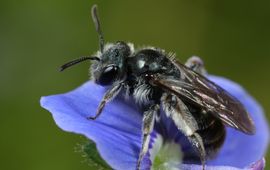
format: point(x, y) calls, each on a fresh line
point(37, 36)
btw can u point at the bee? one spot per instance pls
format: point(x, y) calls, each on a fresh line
point(199, 108)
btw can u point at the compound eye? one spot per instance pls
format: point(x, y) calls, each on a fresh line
point(108, 75)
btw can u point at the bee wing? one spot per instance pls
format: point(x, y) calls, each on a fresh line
point(198, 90)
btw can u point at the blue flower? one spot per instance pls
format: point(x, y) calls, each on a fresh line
point(117, 132)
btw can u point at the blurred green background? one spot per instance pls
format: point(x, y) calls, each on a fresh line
point(37, 36)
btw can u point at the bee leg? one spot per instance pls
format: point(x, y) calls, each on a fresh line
point(147, 128)
point(109, 95)
point(197, 142)
point(196, 64)
point(175, 108)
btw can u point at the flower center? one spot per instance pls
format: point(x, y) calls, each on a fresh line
point(165, 154)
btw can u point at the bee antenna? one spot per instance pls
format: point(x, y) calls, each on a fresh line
point(76, 61)
point(95, 18)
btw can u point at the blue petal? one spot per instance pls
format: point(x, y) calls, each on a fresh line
point(117, 132)
point(240, 149)
point(258, 165)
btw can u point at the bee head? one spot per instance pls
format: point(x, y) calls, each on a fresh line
point(111, 66)
point(109, 60)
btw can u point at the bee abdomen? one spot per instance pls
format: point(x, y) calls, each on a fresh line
point(213, 136)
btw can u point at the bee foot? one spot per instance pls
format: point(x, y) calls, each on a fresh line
point(92, 118)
